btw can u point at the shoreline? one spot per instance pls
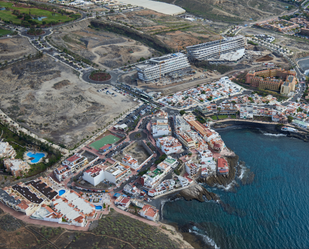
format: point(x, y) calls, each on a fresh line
point(194, 239)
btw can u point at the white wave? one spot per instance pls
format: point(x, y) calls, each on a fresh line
point(228, 187)
point(271, 134)
point(243, 169)
point(274, 135)
point(205, 238)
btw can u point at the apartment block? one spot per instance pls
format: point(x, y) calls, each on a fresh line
point(169, 145)
point(215, 49)
point(159, 125)
point(16, 166)
point(154, 68)
point(6, 150)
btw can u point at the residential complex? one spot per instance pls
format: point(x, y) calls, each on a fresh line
point(169, 145)
point(69, 166)
point(159, 125)
point(226, 49)
point(154, 68)
point(17, 167)
point(273, 79)
point(6, 150)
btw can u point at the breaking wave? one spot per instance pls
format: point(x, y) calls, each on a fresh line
point(205, 238)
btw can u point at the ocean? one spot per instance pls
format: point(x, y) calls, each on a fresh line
point(270, 212)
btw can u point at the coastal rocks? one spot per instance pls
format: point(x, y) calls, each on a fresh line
point(223, 180)
point(197, 192)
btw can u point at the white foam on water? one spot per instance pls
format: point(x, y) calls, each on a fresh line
point(206, 239)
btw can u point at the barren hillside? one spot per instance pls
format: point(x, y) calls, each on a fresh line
point(231, 11)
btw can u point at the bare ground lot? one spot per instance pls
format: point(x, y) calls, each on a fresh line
point(15, 47)
point(136, 151)
point(50, 100)
point(106, 49)
point(175, 32)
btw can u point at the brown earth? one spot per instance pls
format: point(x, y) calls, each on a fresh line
point(265, 58)
point(51, 101)
point(15, 47)
point(16, 234)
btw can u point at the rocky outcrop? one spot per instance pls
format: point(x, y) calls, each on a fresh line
point(223, 180)
point(197, 192)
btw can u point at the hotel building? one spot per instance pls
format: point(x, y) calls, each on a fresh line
point(154, 68)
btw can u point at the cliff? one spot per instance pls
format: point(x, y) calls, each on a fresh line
point(197, 192)
point(222, 179)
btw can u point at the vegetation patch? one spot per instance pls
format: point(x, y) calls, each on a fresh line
point(99, 75)
point(5, 32)
point(33, 31)
point(21, 142)
point(34, 14)
point(128, 230)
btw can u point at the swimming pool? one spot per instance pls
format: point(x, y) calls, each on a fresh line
point(36, 156)
point(61, 192)
point(98, 207)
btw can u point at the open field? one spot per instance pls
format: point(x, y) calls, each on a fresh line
point(50, 16)
point(106, 49)
point(51, 101)
point(5, 32)
point(15, 47)
point(231, 11)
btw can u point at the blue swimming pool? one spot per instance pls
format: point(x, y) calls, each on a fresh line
point(61, 192)
point(36, 156)
point(98, 207)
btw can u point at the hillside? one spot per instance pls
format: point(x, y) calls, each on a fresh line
point(232, 11)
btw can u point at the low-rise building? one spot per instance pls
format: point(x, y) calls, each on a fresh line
point(16, 166)
point(192, 168)
point(6, 150)
point(169, 145)
point(130, 161)
point(123, 202)
point(152, 178)
point(149, 212)
point(159, 125)
point(95, 174)
point(117, 173)
point(223, 167)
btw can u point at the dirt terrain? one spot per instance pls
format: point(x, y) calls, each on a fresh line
point(15, 47)
point(232, 11)
point(106, 49)
point(175, 32)
point(50, 100)
point(108, 232)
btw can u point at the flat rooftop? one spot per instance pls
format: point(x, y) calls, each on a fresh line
point(164, 8)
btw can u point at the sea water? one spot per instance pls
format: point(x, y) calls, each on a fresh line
point(271, 212)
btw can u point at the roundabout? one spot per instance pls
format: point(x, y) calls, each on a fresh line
point(138, 135)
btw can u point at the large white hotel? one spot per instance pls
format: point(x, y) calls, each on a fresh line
point(229, 49)
point(154, 68)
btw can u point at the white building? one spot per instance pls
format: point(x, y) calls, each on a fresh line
point(117, 173)
point(149, 212)
point(130, 161)
point(169, 145)
point(160, 126)
point(94, 175)
point(219, 50)
point(154, 68)
point(17, 167)
point(6, 150)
